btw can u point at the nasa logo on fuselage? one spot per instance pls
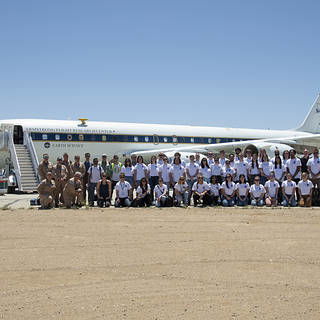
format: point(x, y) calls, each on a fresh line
point(47, 144)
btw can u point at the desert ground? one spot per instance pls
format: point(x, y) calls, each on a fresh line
point(194, 263)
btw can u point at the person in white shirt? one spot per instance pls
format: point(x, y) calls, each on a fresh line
point(285, 157)
point(128, 170)
point(272, 188)
point(276, 154)
point(153, 174)
point(257, 192)
point(192, 171)
point(95, 175)
point(279, 169)
point(161, 194)
point(210, 158)
point(222, 158)
point(241, 167)
point(178, 155)
point(214, 191)
point(248, 156)
point(143, 196)
point(181, 192)
point(289, 191)
point(265, 169)
point(200, 191)
point(161, 155)
point(140, 171)
point(231, 158)
point(228, 191)
point(164, 172)
point(305, 187)
point(314, 168)
point(205, 170)
point(227, 169)
point(197, 158)
point(176, 171)
point(293, 166)
point(254, 168)
point(216, 170)
point(242, 190)
point(123, 192)
point(237, 152)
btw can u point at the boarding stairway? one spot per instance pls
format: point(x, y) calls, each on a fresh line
point(28, 175)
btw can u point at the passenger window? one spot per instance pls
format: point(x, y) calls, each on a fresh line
point(136, 139)
point(57, 136)
point(44, 137)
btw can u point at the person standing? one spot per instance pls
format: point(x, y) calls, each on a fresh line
point(115, 169)
point(241, 167)
point(192, 170)
point(67, 163)
point(164, 172)
point(304, 161)
point(176, 171)
point(46, 190)
point(153, 174)
point(104, 163)
point(77, 166)
point(60, 174)
point(140, 171)
point(127, 170)
point(216, 170)
point(87, 164)
point(44, 167)
point(95, 175)
point(204, 170)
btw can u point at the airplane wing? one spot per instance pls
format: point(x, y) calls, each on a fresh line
point(305, 140)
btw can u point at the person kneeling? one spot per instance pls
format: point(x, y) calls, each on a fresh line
point(305, 189)
point(46, 190)
point(228, 191)
point(243, 188)
point(257, 192)
point(289, 192)
point(181, 192)
point(214, 191)
point(143, 198)
point(161, 194)
point(123, 192)
point(272, 189)
point(200, 191)
point(104, 191)
point(72, 191)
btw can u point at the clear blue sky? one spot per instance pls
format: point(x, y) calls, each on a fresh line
point(219, 63)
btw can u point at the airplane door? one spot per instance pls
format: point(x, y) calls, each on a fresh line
point(17, 135)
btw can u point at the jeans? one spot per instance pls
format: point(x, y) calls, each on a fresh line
point(130, 180)
point(242, 202)
point(91, 189)
point(257, 202)
point(228, 203)
point(162, 201)
point(153, 181)
point(292, 203)
point(184, 197)
point(122, 202)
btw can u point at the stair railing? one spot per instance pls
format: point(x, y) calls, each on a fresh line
point(30, 146)
point(15, 162)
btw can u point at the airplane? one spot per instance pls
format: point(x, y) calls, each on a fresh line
point(24, 141)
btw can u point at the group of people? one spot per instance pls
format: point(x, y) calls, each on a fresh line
point(241, 178)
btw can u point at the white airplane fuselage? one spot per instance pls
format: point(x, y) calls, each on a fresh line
point(56, 137)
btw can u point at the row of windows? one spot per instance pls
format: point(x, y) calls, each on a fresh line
point(126, 138)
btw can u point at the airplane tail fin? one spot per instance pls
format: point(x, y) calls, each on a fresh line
point(312, 121)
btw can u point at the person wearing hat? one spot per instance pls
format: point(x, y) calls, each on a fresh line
point(44, 167)
point(46, 190)
point(72, 191)
point(87, 164)
point(60, 174)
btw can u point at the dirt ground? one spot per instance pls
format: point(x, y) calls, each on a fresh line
point(160, 264)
